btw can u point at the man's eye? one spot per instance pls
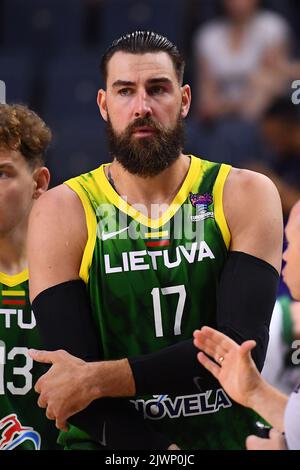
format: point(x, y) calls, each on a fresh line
point(3, 175)
point(125, 91)
point(156, 90)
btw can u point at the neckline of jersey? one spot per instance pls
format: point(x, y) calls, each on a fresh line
point(121, 204)
point(13, 280)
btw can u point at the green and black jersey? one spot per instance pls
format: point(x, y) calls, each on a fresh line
point(23, 425)
point(152, 282)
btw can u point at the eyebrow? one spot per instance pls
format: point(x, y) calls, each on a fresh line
point(159, 80)
point(6, 164)
point(151, 81)
point(122, 83)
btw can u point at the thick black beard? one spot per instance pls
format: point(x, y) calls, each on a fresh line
point(147, 156)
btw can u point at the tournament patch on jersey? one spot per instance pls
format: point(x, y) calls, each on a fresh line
point(201, 203)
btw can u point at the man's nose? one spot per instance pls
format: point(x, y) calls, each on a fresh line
point(142, 105)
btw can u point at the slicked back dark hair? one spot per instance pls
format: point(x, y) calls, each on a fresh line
point(141, 42)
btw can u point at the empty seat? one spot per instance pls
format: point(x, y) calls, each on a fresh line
point(120, 16)
point(79, 145)
point(42, 25)
point(16, 70)
point(71, 86)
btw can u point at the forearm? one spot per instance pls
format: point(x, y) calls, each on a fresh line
point(65, 308)
point(174, 369)
point(116, 425)
point(269, 403)
point(126, 427)
point(110, 379)
point(246, 299)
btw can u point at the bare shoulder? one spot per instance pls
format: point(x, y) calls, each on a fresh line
point(242, 181)
point(253, 212)
point(57, 236)
point(59, 212)
point(58, 200)
point(250, 191)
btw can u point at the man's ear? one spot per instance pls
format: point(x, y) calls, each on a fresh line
point(41, 178)
point(186, 95)
point(101, 101)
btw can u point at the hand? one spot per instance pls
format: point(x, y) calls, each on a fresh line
point(236, 371)
point(173, 447)
point(65, 389)
point(276, 441)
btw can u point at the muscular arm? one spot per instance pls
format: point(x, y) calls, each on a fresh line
point(256, 229)
point(254, 215)
point(56, 240)
point(57, 235)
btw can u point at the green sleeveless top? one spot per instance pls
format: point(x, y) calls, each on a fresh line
point(23, 425)
point(152, 282)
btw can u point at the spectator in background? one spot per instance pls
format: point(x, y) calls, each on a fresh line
point(280, 370)
point(280, 128)
point(236, 56)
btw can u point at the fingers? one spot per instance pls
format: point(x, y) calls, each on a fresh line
point(173, 447)
point(46, 357)
point(259, 443)
point(42, 402)
point(50, 414)
point(216, 344)
point(252, 442)
point(247, 346)
point(273, 434)
point(49, 357)
point(38, 385)
point(209, 364)
point(215, 336)
point(61, 424)
point(213, 350)
point(209, 346)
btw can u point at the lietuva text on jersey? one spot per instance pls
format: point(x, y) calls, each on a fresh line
point(144, 260)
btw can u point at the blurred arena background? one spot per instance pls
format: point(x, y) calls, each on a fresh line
point(49, 59)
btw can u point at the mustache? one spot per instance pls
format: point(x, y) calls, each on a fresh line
point(143, 122)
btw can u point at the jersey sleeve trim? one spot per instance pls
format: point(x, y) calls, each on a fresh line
point(218, 203)
point(91, 228)
point(14, 280)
